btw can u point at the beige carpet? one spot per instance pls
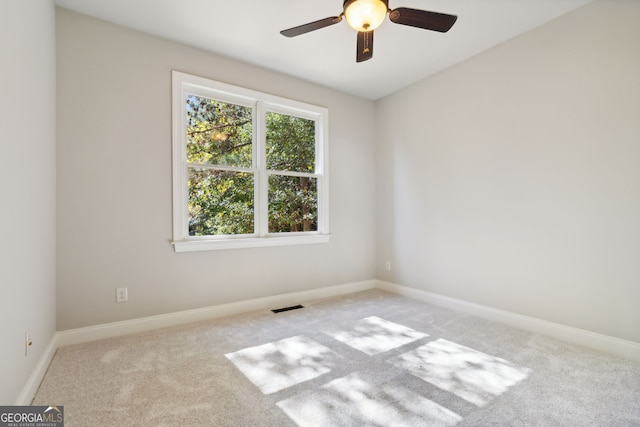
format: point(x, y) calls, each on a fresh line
point(365, 359)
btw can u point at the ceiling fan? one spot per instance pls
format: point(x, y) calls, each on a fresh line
point(364, 16)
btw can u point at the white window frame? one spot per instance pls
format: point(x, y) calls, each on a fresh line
point(183, 84)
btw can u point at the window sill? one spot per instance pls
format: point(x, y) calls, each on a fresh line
point(258, 242)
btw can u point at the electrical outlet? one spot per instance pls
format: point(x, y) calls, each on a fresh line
point(122, 295)
point(387, 265)
point(27, 343)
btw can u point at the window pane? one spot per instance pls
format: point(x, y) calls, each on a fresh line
point(220, 202)
point(293, 204)
point(291, 143)
point(218, 133)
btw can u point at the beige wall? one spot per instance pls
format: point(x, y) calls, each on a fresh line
point(510, 180)
point(513, 179)
point(27, 188)
point(114, 183)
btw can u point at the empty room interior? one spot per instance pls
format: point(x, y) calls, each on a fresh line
point(449, 223)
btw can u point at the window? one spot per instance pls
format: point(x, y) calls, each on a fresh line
point(249, 169)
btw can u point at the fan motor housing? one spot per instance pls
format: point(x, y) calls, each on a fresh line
point(348, 2)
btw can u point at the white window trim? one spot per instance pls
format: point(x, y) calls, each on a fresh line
point(185, 83)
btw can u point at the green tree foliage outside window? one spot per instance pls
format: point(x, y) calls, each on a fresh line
point(293, 200)
point(222, 178)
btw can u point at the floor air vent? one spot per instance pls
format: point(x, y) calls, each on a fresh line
point(293, 307)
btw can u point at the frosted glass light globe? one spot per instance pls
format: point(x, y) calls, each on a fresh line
point(365, 15)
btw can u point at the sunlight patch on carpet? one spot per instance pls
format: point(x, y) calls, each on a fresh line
point(374, 335)
point(474, 376)
point(358, 400)
point(281, 364)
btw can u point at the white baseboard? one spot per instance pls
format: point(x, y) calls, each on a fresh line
point(600, 342)
point(628, 349)
point(108, 330)
point(31, 387)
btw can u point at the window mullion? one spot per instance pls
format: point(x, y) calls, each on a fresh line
point(293, 173)
point(220, 167)
point(262, 178)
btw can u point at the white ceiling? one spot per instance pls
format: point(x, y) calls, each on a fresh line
point(248, 30)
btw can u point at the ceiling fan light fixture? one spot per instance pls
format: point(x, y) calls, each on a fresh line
point(365, 15)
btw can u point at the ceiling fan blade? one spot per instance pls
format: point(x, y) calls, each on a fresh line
point(311, 26)
point(433, 21)
point(364, 46)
